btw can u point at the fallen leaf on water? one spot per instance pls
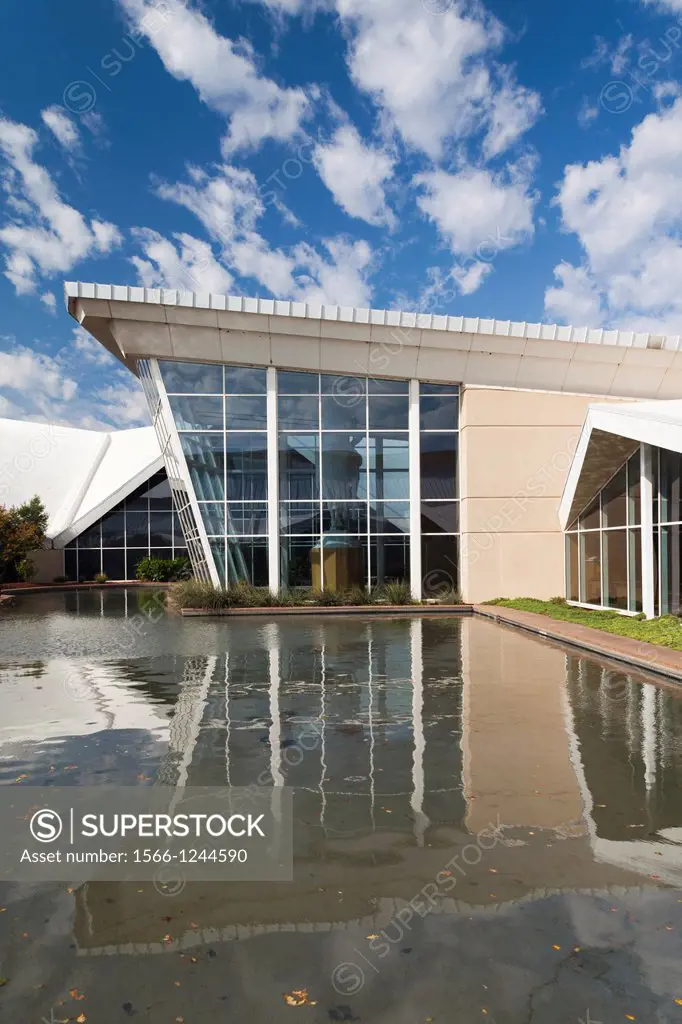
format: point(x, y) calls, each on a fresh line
point(177, 984)
point(576, 949)
point(678, 1001)
point(372, 936)
point(299, 997)
point(75, 994)
point(3, 981)
point(556, 947)
point(492, 871)
point(81, 1018)
point(2, 910)
point(628, 1016)
point(167, 938)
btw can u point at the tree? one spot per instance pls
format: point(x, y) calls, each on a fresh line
point(22, 530)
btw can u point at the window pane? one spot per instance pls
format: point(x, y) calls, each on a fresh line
point(113, 530)
point(389, 560)
point(245, 380)
point(292, 383)
point(70, 564)
point(178, 536)
point(439, 565)
point(438, 413)
point(192, 378)
point(440, 516)
point(344, 517)
point(615, 569)
point(245, 413)
point(203, 412)
point(389, 517)
point(572, 589)
point(89, 563)
point(343, 412)
point(298, 466)
point(300, 413)
point(438, 389)
point(590, 564)
point(114, 564)
point(387, 387)
point(247, 467)
point(614, 503)
point(589, 520)
point(206, 462)
point(671, 510)
point(344, 461)
point(90, 538)
point(247, 560)
point(388, 413)
point(160, 495)
point(218, 551)
point(635, 541)
point(137, 529)
point(213, 516)
point(161, 529)
point(246, 518)
point(299, 517)
point(389, 459)
point(438, 465)
point(634, 492)
point(342, 386)
point(296, 562)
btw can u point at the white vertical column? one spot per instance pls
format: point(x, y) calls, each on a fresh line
point(273, 482)
point(415, 494)
point(647, 518)
point(649, 743)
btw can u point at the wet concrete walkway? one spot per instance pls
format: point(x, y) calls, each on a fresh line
point(635, 653)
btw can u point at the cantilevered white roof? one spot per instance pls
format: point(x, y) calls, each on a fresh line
point(610, 434)
point(138, 323)
point(79, 474)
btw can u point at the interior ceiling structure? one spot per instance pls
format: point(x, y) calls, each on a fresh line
point(80, 475)
point(610, 435)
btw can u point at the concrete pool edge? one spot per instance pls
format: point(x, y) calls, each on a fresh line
point(664, 662)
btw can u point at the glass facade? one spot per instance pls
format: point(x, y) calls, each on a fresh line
point(604, 545)
point(142, 526)
point(296, 478)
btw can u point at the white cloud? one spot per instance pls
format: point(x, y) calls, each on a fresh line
point(62, 127)
point(434, 77)
point(479, 214)
point(49, 301)
point(576, 299)
point(355, 173)
point(626, 212)
point(223, 72)
point(604, 53)
point(339, 280)
point(191, 266)
point(89, 348)
point(44, 235)
point(588, 113)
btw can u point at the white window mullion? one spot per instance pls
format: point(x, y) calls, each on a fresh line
point(273, 481)
point(415, 494)
point(647, 531)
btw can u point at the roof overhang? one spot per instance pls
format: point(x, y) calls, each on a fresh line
point(139, 323)
point(610, 435)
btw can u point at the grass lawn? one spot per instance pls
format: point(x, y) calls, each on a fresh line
point(666, 631)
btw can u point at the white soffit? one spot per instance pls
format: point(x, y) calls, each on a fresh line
point(657, 423)
point(78, 474)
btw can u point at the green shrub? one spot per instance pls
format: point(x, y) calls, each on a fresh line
point(163, 570)
point(26, 570)
point(449, 596)
point(393, 593)
point(101, 577)
point(558, 600)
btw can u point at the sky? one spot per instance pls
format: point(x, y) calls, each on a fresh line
point(514, 159)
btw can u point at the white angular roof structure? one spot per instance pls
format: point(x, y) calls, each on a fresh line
point(80, 475)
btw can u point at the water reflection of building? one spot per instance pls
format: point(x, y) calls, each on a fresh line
point(418, 734)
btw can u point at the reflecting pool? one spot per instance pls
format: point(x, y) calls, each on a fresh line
point(486, 825)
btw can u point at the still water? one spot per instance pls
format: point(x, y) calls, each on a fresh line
point(409, 743)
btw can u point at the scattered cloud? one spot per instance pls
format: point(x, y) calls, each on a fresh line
point(223, 71)
point(356, 173)
point(44, 235)
point(49, 301)
point(435, 78)
point(62, 127)
point(189, 266)
point(606, 54)
point(626, 212)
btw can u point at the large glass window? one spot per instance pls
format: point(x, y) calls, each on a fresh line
point(343, 480)
point(438, 446)
point(143, 525)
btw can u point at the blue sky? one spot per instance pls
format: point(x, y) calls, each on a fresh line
point(511, 159)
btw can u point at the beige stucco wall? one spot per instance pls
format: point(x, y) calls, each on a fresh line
point(516, 450)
